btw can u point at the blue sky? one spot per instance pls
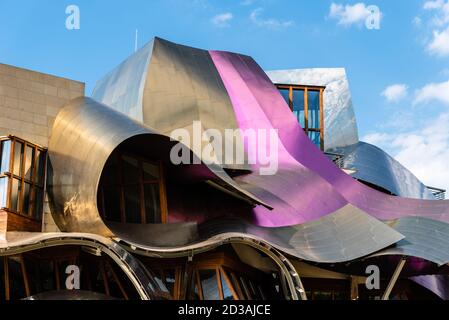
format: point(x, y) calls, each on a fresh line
point(399, 75)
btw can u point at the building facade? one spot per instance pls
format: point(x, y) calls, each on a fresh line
point(106, 197)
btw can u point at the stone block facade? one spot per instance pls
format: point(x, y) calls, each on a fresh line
point(29, 103)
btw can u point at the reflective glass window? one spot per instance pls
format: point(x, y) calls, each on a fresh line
point(152, 203)
point(38, 203)
point(15, 192)
point(26, 199)
point(298, 106)
point(3, 191)
point(29, 158)
point(209, 284)
point(170, 280)
point(18, 155)
point(112, 203)
point(130, 170)
point(314, 109)
point(40, 163)
point(132, 203)
point(6, 155)
point(150, 171)
point(227, 292)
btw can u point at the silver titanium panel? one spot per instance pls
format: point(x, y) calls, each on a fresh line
point(122, 88)
point(84, 135)
point(438, 284)
point(340, 126)
point(178, 86)
point(373, 165)
point(424, 238)
point(344, 235)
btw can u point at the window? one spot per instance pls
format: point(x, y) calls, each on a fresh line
point(306, 103)
point(132, 190)
point(22, 177)
point(211, 284)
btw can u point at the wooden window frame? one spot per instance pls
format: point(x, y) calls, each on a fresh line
point(141, 185)
point(306, 90)
point(33, 182)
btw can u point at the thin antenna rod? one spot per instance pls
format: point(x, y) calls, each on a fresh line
point(135, 43)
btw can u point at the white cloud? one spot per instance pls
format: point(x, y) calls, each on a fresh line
point(348, 15)
point(395, 93)
point(271, 23)
point(376, 138)
point(434, 4)
point(424, 151)
point(440, 43)
point(433, 92)
point(417, 21)
point(222, 20)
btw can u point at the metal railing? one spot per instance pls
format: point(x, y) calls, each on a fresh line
point(439, 194)
point(337, 158)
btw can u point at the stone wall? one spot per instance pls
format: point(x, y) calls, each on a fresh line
point(29, 103)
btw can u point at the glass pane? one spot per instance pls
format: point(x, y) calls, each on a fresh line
point(3, 191)
point(254, 291)
point(16, 283)
point(194, 293)
point(315, 137)
point(130, 170)
point(209, 284)
point(110, 171)
point(40, 162)
point(6, 155)
point(112, 209)
point(29, 156)
point(236, 286)
point(132, 203)
point(26, 199)
point(38, 202)
point(18, 154)
point(298, 106)
point(150, 171)
point(285, 94)
point(152, 203)
point(170, 280)
point(314, 109)
point(15, 191)
point(245, 288)
point(227, 293)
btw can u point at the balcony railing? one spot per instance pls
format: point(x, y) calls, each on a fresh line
point(439, 194)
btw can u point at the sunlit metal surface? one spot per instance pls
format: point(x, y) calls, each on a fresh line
point(85, 134)
point(122, 89)
point(438, 284)
point(180, 85)
point(143, 281)
point(424, 238)
point(339, 237)
point(340, 126)
point(373, 165)
point(265, 108)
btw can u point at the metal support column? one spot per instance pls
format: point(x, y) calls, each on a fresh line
point(394, 278)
